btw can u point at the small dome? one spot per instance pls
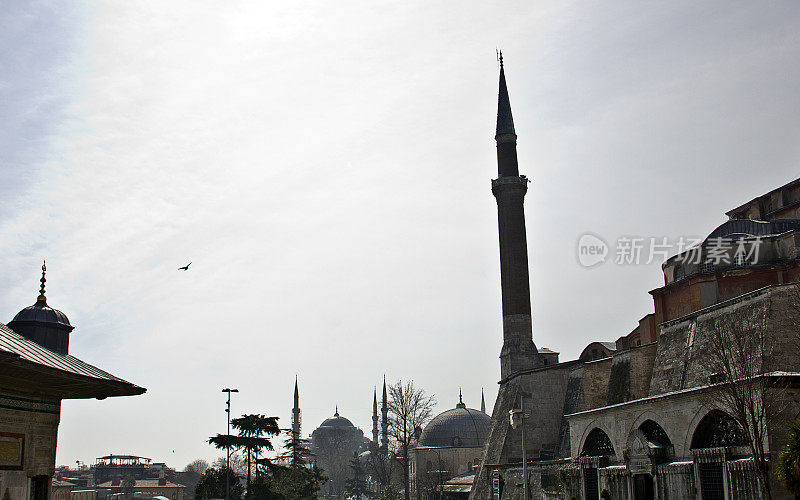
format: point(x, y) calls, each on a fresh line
point(459, 427)
point(40, 312)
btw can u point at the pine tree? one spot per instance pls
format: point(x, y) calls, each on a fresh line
point(357, 486)
point(789, 459)
point(251, 439)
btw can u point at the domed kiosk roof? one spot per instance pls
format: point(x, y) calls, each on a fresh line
point(41, 313)
point(459, 427)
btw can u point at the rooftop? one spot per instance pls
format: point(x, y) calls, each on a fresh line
point(26, 365)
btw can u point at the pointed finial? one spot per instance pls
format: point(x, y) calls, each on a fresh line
point(460, 401)
point(505, 121)
point(41, 297)
point(337, 411)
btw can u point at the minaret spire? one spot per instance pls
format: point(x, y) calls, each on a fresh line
point(483, 402)
point(375, 417)
point(505, 120)
point(384, 419)
point(296, 423)
point(519, 352)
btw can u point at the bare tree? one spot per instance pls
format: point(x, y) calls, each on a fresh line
point(740, 357)
point(380, 467)
point(409, 408)
point(198, 467)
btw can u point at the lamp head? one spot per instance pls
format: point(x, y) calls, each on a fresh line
point(515, 417)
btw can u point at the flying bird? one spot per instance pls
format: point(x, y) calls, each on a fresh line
point(185, 268)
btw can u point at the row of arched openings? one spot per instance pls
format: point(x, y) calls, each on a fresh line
point(716, 429)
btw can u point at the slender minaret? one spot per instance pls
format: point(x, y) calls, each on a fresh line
point(375, 417)
point(384, 419)
point(483, 402)
point(296, 411)
point(518, 352)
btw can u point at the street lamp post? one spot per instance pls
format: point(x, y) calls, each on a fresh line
point(228, 448)
point(517, 417)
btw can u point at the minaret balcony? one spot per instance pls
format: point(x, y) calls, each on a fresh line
point(515, 181)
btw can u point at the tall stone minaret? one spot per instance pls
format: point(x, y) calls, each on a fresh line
point(296, 411)
point(518, 352)
point(375, 417)
point(384, 419)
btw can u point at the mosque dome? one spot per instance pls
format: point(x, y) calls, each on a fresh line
point(337, 421)
point(459, 427)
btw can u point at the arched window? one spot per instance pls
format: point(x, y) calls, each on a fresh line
point(597, 444)
point(655, 434)
point(718, 429)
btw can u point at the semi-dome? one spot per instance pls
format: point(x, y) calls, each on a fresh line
point(459, 427)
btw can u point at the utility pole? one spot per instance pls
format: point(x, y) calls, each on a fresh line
point(228, 448)
point(517, 417)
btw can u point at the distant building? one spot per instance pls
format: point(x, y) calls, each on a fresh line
point(120, 466)
point(333, 444)
point(146, 488)
point(449, 446)
point(36, 373)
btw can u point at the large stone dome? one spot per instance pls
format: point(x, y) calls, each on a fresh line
point(337, 421)
point(459, 427)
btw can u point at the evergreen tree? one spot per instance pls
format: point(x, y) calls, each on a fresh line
point(288, 483)
point(251, 439)
point(357, 486)
point(789, 460)
point(296, 450)
point(212, 485)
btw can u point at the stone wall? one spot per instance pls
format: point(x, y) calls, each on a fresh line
point(34, 422)
point(544, 391)
point(685, 345)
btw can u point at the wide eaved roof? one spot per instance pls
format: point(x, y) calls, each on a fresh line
point(32, 368)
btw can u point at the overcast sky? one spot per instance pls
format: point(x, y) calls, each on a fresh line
point(326, 168)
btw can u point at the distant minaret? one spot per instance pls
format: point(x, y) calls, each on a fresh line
point(375, 417)
point(518, 352)
point(483, 402)
point(384, 419)
point(296, 411)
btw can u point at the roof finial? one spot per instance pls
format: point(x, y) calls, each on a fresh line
point(460, 401)
point(41, 297)
point(500, 55)
point(337, 411)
